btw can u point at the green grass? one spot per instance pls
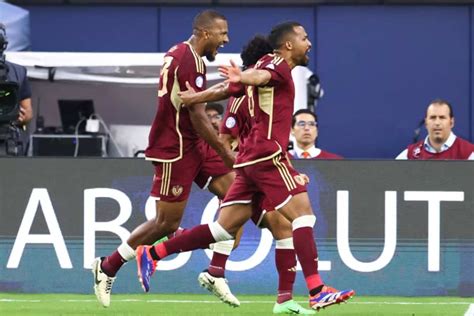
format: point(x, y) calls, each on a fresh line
point(190, 305)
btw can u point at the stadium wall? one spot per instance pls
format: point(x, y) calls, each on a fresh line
point(383, 227)
point(380, 65)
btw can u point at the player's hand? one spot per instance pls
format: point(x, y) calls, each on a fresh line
point(305, 178)
point(188, 95)
point(231, 73)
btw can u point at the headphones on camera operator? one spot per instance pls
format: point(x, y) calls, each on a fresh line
point(9, 103)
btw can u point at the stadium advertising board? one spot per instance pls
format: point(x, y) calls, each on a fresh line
point(383, 227)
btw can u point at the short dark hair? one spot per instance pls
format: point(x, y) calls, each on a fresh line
point(255, 49)
point(216, 107)
point(303, 111)
point(205, 18)
point(280, 32)
point(441, 101)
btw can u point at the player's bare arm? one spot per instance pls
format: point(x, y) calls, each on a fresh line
point(203, 126)
point(250, 77)
point(215, 93)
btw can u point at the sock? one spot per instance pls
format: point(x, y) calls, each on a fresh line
point(221, 252)
point(285, 261)
point(198, 237)
point(178, 232)
point(217, 266)
point(305, 248)
point(111, 264)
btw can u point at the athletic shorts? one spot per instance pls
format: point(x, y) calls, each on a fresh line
point(173, 180)
point(260, 207)
point(275, 179)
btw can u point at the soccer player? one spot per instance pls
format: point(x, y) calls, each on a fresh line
point(180, 140)
point(235, 128)
point(262, 168)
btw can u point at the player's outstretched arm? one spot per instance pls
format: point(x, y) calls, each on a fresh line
point(215, 93)
point(250, 77)
point(202, 125)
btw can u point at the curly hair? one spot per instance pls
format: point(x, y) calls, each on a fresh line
point(255, 49)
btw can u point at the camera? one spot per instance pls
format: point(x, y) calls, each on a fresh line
point(9, 103)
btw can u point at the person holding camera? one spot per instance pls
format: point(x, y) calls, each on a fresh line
point(12, 131)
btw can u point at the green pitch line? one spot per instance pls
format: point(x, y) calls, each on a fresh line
point(190, 305)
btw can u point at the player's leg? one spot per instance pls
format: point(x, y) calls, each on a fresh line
point(286, 189)
point(219, 178)
point(213, 278)
point(298, 210)
point(172, 190)
point(285, 261)
point(234, 213)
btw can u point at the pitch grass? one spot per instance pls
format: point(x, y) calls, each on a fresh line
point(190, 305)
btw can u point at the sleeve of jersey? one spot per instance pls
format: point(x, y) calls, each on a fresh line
point(277, 72)
point(192, 70)
point(236, 89)
point(230, 125)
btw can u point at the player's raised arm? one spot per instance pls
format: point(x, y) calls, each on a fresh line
point(250, 77)
point(215, 93)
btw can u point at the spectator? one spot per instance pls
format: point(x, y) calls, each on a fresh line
point(305, 131)
point(441, 143)
point(214, 112)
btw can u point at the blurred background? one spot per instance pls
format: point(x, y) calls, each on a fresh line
point(380, 63)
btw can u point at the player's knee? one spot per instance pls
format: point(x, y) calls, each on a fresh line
point(304, 221)
point(219, 233)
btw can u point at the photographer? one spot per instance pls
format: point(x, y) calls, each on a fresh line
point(12, 130)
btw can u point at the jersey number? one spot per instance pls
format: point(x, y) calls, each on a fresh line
point(164, 76)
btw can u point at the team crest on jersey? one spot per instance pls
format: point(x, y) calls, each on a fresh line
point(416, 152)
point(230, 122)
point(177, 190)
point(299, 179)
point(199, 81)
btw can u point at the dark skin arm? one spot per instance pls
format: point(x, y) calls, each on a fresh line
point(215, 93)
point(204, 128)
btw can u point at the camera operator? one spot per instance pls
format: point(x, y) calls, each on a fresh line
point(13, 135)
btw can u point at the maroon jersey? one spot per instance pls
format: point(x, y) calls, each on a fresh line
point(172, 133)
point(273, 108)
point(237, 119)
point(327, 155)
point(461, 149)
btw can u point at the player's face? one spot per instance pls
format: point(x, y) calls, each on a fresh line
point(438, 123)
point(216, 36)
point(215, 118)
point(301, 47)
point(305, 130)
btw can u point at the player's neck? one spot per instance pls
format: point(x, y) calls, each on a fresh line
point(286, 55)
point(196, 45)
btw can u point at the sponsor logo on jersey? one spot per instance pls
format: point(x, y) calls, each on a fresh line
point(230, 122)
point(270, 66)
